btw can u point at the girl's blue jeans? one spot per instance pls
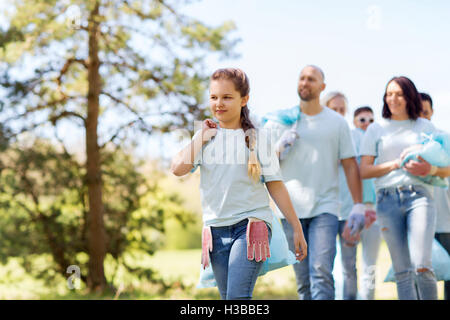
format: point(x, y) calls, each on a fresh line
point(235, 274)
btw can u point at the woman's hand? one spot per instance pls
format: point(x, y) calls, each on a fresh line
point(420, 168)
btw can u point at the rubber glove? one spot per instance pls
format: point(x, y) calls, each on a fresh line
point(355, 223)
point(370, 215)
point(207, 246)
point(286, 142)
point(257, 240)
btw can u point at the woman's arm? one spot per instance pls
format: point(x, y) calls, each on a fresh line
point(443, 172)
point(280, 196)
point(369, 170)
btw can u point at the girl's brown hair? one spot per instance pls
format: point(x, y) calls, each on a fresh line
point(242, 85)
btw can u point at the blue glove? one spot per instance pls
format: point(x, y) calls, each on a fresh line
point(286, 141)
point(355, 223)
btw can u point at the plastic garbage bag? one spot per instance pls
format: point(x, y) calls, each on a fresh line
point(280, 257)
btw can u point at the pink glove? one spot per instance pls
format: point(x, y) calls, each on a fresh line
point(257, 240)
point(207, 246)
point(370, 215)
point(354, 225)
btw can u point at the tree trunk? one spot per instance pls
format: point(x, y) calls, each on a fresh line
point(96, 228)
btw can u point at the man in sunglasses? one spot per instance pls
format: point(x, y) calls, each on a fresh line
point(363, 117)
point(370, 237)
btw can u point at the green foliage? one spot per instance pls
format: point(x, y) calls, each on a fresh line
point(43, 210)
point(107, 67)
point(151, 63)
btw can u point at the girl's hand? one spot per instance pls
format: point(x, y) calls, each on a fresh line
point(209, 130)
point(301, 248)
point(207, 246)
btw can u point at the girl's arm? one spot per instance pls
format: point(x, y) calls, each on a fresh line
point(183, 162)
point(369, 170)
point(280, 195)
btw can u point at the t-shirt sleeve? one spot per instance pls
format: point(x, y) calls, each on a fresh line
point(369, 141)
point(428, 127)
point(346, 147)
point(270, 166)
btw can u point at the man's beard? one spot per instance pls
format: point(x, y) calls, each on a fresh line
point(306, 97)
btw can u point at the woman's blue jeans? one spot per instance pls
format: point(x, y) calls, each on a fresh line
point(407, 217)
point(235, 274)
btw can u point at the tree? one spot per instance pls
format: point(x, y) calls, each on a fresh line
point(44, 208)
point(118, 65)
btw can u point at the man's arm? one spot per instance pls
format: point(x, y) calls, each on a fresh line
point(351, 170)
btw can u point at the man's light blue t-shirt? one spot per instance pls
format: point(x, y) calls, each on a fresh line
point(310, 170)
point(228, 195)
point(386, 139)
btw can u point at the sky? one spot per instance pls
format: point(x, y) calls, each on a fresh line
point(360, 45)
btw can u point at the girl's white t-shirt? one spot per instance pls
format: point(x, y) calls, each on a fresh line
point(228, 195)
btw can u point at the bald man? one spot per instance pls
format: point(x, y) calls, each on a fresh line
point(310, 173)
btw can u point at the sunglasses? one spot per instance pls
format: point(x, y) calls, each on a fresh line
point(364, 120)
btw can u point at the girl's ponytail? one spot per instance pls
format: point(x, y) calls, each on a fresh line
point(253, 166)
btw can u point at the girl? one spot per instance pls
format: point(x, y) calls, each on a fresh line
point(235, 204)
point(405, 207)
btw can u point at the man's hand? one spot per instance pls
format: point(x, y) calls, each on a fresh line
point(355, 224)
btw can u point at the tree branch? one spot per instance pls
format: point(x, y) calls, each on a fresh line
point(66, 114)
point(66, 66)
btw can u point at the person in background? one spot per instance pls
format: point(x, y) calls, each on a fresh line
point(441, 198)
point(310, 172)
point(370, 237)
point(405, 206)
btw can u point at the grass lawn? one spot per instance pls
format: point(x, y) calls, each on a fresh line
point(278, 284)
point(181, 268)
